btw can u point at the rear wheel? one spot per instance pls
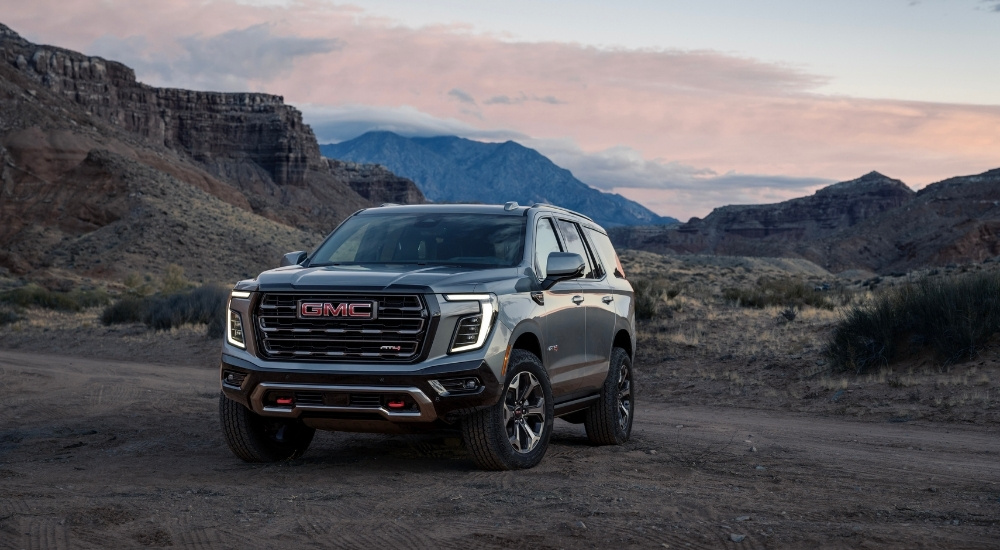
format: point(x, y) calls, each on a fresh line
point(256, 438)
point(609, 420)
point(514, 433)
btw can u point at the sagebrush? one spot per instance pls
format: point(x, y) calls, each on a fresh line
point(33, 295)
point(203, 305)
point(955, 316)
point(778, 292)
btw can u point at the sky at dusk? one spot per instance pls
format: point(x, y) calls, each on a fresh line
point(682, 106)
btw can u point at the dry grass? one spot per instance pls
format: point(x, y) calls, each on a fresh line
point(702, 349)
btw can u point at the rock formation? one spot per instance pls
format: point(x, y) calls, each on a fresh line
point(775, 229)
point(873, 222)
point(60, 110)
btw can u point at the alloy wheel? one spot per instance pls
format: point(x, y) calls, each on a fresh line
point(524, 412)
point(624, 397)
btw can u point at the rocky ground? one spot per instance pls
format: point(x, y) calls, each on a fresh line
point(745, 438)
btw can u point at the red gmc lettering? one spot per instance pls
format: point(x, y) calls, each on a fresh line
point(330, 311)
point(327, 309)
point(308, 309)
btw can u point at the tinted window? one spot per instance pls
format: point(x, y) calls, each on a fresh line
point(604, 249)
point(574, 243)
point(448, 239)
point(545, 242)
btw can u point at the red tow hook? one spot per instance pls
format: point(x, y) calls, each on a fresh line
point(283, 400)
point(396, 404)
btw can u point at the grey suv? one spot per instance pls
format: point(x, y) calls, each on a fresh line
point(491, 319)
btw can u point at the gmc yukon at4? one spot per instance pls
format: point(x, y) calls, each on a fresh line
point(493, 320)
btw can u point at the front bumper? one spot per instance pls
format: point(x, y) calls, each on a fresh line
point(384, 401)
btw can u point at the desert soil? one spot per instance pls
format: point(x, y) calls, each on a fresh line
point(103, 453)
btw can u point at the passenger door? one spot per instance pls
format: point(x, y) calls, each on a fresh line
point(600, 313)
point(563, 347)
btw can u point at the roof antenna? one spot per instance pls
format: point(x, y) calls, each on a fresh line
point(510, 205)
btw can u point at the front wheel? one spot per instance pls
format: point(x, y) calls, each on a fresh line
point(609, 420)
point(256, 438)
point(515, 432)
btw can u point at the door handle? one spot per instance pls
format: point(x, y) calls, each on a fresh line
point(577, 299)
point(608, 299)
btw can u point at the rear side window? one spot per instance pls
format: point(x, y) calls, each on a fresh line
point(545, 242)
point(602, 244)
point(574, 243)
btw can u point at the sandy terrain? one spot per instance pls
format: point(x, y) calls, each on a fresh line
point(104, 453)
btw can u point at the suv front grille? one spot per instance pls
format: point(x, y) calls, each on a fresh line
point(396, 334)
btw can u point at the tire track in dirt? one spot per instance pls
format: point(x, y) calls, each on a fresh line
point(384, 534)
point(43, 533)
point(105, 395)
point(680, 486)
point(185, 533)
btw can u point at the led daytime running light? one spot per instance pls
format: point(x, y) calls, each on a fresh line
point(235, 325)
point(488, 311)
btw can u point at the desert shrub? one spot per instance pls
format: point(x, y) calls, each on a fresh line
point(32, 295)
point(8, 315)
point(127, 310)
point(648, 297)
point(955, 316)
point(779, 292)
point(174, 281)
point(136, 285)
point(789, 314)
point(202, 305)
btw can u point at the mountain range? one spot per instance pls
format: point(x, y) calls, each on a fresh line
point(102, 176)
point(874, 222)
point(453, 169)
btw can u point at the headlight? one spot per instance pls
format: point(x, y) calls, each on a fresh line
point(234, 332)
point(471, 331)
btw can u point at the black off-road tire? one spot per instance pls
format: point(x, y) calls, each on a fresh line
point(609, 420)
point(255, 438)
point(488, 433)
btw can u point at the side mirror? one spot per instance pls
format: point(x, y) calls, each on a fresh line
point(561, 266)
point(293, 258)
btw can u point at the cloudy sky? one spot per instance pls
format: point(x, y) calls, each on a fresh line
point(680, 105)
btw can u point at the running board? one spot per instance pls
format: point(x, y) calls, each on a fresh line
point(575, 405)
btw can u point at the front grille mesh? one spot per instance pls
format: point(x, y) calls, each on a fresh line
point(395, 335)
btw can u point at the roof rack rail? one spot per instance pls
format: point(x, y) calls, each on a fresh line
point(547, 205)
point(389, 204)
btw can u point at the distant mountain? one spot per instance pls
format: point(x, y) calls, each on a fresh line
point(873, 222)
point(453, 169)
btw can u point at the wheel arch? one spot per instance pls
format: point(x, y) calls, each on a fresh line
point(527, 336)
point(528, 341)
point(624, 340)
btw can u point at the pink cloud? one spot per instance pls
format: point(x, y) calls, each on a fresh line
point(705, 110)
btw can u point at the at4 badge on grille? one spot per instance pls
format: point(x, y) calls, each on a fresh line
point(360, 310)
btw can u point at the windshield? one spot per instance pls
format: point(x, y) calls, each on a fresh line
point(473, 240)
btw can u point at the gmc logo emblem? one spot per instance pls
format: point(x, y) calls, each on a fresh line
point(352, 310)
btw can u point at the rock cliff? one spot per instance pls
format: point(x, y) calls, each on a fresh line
point(776, 229)
point(873, 222)
point(58, 108)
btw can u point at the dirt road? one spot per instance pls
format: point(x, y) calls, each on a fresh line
point(99, 454)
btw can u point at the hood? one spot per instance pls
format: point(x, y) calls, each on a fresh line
point(383, 278)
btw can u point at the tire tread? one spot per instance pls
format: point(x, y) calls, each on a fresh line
point(601, 421)
point(237, 426)
point(481, 430)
